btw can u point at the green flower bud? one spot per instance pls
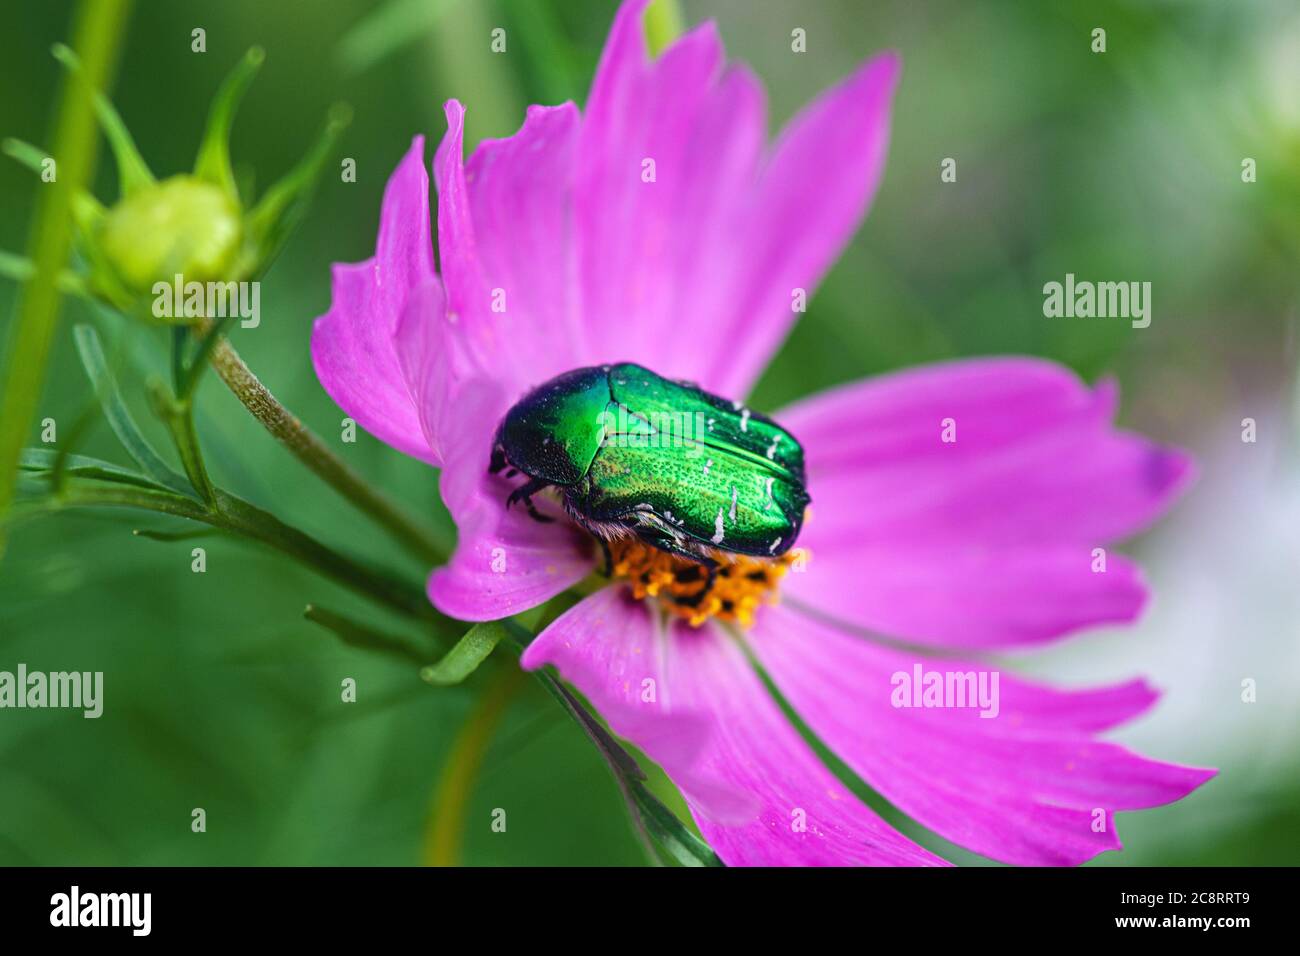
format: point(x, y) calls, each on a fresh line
point(180, 226)
point(195, 225)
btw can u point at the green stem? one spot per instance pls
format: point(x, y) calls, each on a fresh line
point(178, 416)
point(355, 634)
point(180, 421)
point(309, 449)
point(447, 822)
point(97, 34)
point(237, 516)
point(190, 375)
point(261, 525)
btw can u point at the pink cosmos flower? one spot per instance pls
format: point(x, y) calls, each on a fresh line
point(557, 253)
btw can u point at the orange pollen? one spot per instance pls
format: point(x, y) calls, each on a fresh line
point(741, 586)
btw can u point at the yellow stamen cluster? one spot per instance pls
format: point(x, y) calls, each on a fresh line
point(741, 586)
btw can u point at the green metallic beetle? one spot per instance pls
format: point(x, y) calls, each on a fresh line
point(635, 454)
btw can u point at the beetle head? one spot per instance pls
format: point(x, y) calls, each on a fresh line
point(555, 431)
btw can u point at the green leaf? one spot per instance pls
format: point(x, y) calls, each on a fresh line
point(119, 418)
point(548, 51)
point(653, 820)
point(92, 494)
point(152, 535)
point(45, 461)
point(680, 843)
point(213, 162)
point(463, 659)
point(33, 157)
point(383, 31)
point(278, 212)
point(622, 762)
point(133, 172)
point(192, 370)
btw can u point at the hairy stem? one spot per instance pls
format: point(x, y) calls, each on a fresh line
point(308, 448)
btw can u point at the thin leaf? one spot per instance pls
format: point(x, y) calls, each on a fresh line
point(45, 461)
point(193, 369)
point(33, 157)
point(547, 49)
point(119, 418)
point(680, 843)
point(133, 171)
point(463, 659)
point(213, 162)
point(653, 820)
point(387, 29)
point(623, 763)
point(111, 495)
point(153, 535)
point(22, 270)
point(358, 635)
point(278, 212)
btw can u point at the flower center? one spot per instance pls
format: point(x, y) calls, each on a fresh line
point(742, 583)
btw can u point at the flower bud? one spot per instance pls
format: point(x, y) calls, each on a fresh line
point(196, 225)
point(179, 226)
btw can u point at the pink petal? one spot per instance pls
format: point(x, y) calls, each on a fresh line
point(988, 540)
point(898, 417)
point(630, 231)
point(811, 197)
point(1035, 458)
point(613, 650)
point(429, 354)
point(352, 344)
point(1027, 786)
point(699, 264)
point(965, 595)
point(505, 561)
point(748, 776)
point(503, 237)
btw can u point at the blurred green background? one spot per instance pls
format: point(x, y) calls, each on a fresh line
point(1119, 166)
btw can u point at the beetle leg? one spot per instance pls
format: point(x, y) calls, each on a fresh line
point(609, 558)
point(498, 462)
point(525, 494)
